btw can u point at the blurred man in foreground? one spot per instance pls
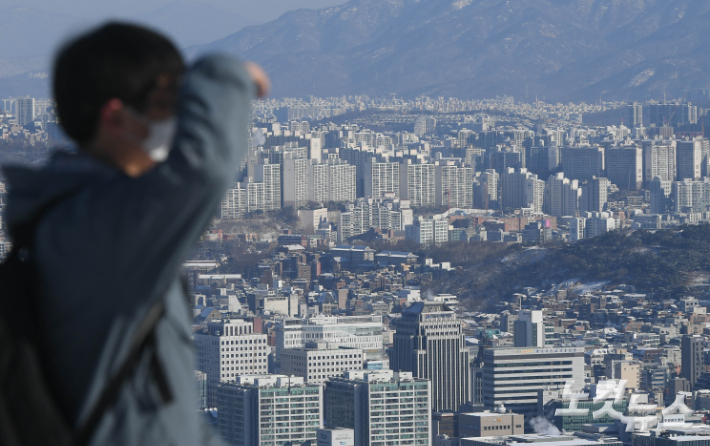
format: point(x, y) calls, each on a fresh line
point(158, 145)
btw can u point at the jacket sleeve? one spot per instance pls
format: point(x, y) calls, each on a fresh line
point(138, 231)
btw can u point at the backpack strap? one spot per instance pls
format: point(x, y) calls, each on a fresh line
point(144, 336)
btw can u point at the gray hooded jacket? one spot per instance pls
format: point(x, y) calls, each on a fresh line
point(115, 244)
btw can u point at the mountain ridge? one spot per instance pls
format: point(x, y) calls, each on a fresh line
point(562, 50)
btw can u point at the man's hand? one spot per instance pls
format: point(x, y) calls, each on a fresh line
point(260, 78)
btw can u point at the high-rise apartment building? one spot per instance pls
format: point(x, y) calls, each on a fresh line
point(582, 163)
point(485, 190)
point(269, 410)
point(594, 195)
point(318, 187)
point(369, 213)
point(269, 175)
point(521, 189)
point(692, 358)
point(418, 184)
point(294, 180)
point(673, 114)
point(359, 158)
point(691, 196)
point(659, 160)
point(513, 376)
point(634, 115)
point(563, 196)
point(454, 184)
point(689, 157)
point(382, 407)
point(341, 182)
point(429, 342)
point(229, 348)
point(234, 203)
point(381, 178)
point(624, 167)
point(427, 231)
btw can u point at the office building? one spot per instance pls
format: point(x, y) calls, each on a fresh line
point(229, 348)
point(429, 342)
point(382, 407)
point(659, 160)
point(692, 358)
point(660, 191)
point(673, 114)
point(25, 112)
point(486, 424)
point(689, 157)
point(361, 332)
point(454, 184)
point(624, 167)
point(269, 410)
point(563, 196)
point(542, 159)
point(529, 329)
point(381, 178)
point(417, 183)
point(513, 376)
point(582, 163)
point(316, 363)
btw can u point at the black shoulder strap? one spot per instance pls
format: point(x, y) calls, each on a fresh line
point(145, 335)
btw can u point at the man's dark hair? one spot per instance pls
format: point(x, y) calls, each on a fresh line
point(114, 61)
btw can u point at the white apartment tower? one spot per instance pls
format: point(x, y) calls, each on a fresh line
point(295, 181)
point(454, 184)
point(659, 160)
point(270, 177)
point(417, 182)
point(381, 178)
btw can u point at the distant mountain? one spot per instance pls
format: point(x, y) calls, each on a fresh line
point(556, 49)
point(193, 23)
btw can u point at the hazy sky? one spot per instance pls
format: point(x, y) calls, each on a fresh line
point(257, 11)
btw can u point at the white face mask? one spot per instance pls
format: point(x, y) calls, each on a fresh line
point(160, 139)
point(160, 136)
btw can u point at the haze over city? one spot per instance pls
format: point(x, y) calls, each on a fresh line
point(449, 223)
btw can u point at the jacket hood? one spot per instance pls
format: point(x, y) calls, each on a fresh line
point(30, 189)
